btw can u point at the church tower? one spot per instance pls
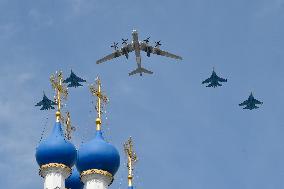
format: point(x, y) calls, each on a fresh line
point(97, 160)
point(55, 155)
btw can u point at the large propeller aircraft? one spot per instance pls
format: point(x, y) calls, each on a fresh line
point(137, 46)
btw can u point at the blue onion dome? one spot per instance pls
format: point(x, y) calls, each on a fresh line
point(98, 154)
point(74, 181)
point(56, 149)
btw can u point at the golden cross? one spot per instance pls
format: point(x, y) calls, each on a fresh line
point(60, 89)
point(101, 100)
point(131, 159)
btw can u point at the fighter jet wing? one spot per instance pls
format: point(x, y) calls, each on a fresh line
point(47, 108)
point(53, 103)
point(78, 79)
point(67, 80)
point(206, 80)
point(157, 51)
point(222, 79)
point(257, 101)
point(74, 84)
point(39, 103)
point(244, 103)
point(116, 54)
point(43, 108)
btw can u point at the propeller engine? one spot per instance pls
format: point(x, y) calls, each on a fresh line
point(158, 44)
point(114, 46)
point(149, 49)
point(146, 40)
point(124, 41)
point(125, 48)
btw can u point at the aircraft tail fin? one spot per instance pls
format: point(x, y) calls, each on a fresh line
point(140, 70)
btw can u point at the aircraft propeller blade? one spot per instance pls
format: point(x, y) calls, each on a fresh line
point(147, 40)
point(124, 41)
point(114, 45)
point(158, 44)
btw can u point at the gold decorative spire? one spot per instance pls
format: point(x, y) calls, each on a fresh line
point(131, 159)
point(101, 101)
point(69, 127)
point(60, 91)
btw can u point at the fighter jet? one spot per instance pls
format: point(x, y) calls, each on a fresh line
point(74, 80)
point(214, 80)
point(250, 103)
point(137, 46)
point(46, 103)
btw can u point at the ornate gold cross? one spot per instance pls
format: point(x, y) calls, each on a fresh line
point(131, 159)
point(101, 100)
point(60, 90)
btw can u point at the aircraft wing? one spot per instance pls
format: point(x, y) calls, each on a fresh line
point(43, 108)
point(128, 48)
point(52, 103)
point(67, 80)
point(46, 107)
point(244, 103)
point(74, 84)
point(78, 79)
point(210, 85)
point(222, 79)
point(257, 101)
point(206, 80)
point(39, 103)
point(144, 46)
point(109, 57)
point(117, 53)
point(157, 51)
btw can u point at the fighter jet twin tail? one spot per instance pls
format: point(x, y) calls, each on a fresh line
point(73, 81)
point(214, 80)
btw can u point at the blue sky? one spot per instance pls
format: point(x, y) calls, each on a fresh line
point(186, 135)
